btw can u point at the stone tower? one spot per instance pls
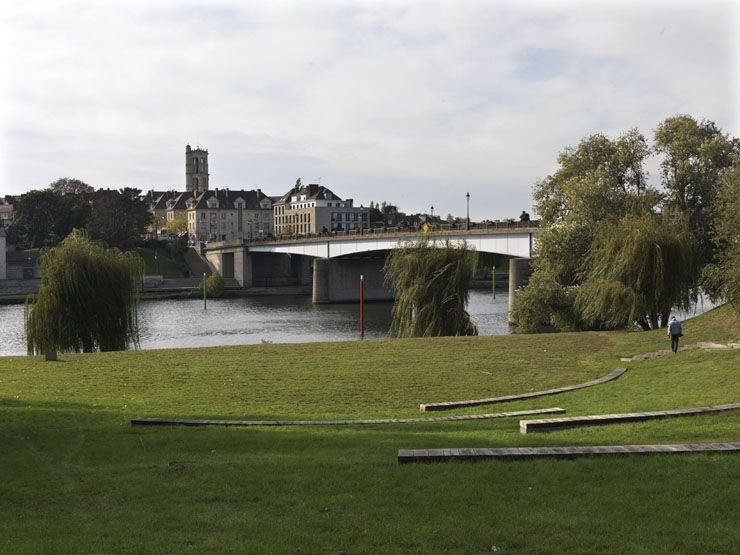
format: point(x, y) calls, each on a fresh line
point(196, 170)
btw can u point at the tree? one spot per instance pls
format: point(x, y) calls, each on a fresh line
point(35, 214)
point(695, 154)
point(599, 180)
point(637, 270)
point(722, 278)
point(71, 186)
point(44, 217)
point(177, 226)
point(119, 218)
point(432, 289)
point(88, 299)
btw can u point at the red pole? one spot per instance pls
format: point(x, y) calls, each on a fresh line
point(362, 307)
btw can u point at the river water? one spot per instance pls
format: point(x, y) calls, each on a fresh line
point(241, 321)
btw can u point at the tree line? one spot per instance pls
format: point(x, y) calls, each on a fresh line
point(616, 250)
point(43, 218)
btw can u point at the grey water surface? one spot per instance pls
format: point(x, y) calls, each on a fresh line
point(277, 319)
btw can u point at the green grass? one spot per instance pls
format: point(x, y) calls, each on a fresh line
point(164, 265)
point(77, 477)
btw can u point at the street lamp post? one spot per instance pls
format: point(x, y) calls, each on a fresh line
point(467, 219)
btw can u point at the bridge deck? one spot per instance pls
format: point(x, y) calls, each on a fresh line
point(380, 233)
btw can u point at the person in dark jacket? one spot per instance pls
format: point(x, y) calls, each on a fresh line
point(674, 332)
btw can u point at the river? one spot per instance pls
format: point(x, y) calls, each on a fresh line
point(276, 319)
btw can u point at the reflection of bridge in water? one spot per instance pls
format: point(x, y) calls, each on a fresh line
point(333, 262)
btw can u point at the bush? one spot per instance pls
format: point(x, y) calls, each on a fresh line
point(215, 285)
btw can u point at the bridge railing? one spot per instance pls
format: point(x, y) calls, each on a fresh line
point(434, 230)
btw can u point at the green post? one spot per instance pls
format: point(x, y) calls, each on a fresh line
point(493, 281)
point(205, 300)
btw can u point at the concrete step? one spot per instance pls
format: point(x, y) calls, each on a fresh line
point(195, 263)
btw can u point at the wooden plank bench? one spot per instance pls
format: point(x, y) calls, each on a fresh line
point(477, 402)
point(515, 453)
point(202, 422)
point(549, 424)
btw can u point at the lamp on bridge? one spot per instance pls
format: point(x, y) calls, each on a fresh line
point(467, 219)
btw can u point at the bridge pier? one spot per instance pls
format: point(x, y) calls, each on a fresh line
point(243, 268)
point(337, 280)
point(519, 271)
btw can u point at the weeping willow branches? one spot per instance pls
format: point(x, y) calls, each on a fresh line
point(432, 288)
point(637, 269)
point(88, 299)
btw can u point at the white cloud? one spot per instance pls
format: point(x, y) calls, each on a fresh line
point(412, 102)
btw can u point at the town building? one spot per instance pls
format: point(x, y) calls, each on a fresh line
point(315, 209)
point(157, 201)
point(3, 250)
point(6, 210)
point(226, 215)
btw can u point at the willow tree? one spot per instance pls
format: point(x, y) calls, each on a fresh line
point(722, 278)
point(88, 299)
point(638, 269)
point(432, 286)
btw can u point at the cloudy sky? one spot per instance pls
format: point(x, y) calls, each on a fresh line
point(410, 102)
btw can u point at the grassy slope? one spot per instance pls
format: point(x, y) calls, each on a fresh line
point(164, 265)
point(77, 477)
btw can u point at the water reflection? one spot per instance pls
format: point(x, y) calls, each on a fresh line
point(184, 323)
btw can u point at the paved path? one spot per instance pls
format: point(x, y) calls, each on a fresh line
point(476, 402)
point(194, 422)
point(549, 424)
point(441, 455)
point(701, 345)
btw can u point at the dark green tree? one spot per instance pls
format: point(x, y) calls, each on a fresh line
point(71, 186)
point(432, 286)
point(44, 217)
point(119, 218)
point(88, 299)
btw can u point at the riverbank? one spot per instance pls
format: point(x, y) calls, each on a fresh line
point(79, 478)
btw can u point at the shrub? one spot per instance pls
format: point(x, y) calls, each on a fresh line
point(215, 285)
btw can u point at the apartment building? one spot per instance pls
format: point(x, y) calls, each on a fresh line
point(313, 209)
point(226, 215)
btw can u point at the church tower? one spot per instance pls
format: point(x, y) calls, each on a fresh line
point(196, 170)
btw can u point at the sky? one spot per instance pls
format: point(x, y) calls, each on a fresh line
point(413, 103)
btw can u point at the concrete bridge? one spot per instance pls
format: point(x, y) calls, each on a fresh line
point(332, 263)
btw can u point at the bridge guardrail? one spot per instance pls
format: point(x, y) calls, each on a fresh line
point(437, 230)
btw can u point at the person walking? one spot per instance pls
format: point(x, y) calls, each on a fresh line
point(674, 332)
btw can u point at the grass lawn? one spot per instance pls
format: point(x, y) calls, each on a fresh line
point(164, 265)
point(77, 478)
